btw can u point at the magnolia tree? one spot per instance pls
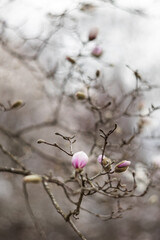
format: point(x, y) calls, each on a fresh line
point(98, 123)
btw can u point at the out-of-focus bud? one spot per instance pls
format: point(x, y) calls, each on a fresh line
point(137, 75)
point(87, 7)
point(106, 162)
point(140, 106)
point(93, 34)
point(40, 141)
point(155, 161)
point(80, 95)
point(79, 160)
point(153, 199)
point(71, 60)
point(17, 104)
point(118, 130)
point(32, 179)
point(142, 123)
point(122, 166)
point(108, 114)
point(97, 52)
point(97, 73)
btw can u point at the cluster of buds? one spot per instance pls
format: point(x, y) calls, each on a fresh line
point(106, 163)
point(80, 159)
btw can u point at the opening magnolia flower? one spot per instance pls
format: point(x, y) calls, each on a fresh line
point(79, 160)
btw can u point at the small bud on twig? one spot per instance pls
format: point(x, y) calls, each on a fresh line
point(97, 73)
point(93, 34)
point(32, 179)
point(80, 95)
point(17, 104)
point(40, 141)
point(71, 60)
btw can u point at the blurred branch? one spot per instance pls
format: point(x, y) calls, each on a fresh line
point(12, 157)
point(30, 211)
point(59, 210)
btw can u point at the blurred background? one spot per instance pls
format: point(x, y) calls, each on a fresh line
point(46, 58)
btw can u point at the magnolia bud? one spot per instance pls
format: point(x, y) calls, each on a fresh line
point(79, 160)
point(71, 60)
point(80, 95)
point(40, 141)
point(32, 179)
point(93, 34)
point(97, 52)
point(17, 104)
point(106, 162)
point(122, 166)
point(97, 73)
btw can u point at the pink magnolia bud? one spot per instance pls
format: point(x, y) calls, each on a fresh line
point(79, 160)
point(122, 166)
point(97, 52)
point(93, 34)
point(106, 162)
